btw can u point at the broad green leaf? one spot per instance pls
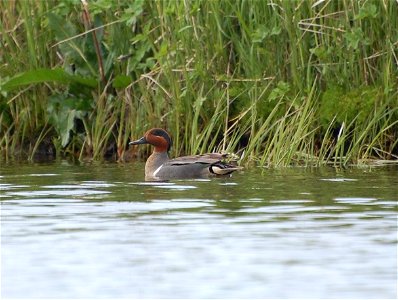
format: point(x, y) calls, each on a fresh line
point(45, 75)
point(355, 38)
point(63, 111)
point(260, 34)
point(121, 81)
point(367, 11)
point(281, 89)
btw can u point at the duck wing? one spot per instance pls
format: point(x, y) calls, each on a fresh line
point(215, 163)
point(208, 158)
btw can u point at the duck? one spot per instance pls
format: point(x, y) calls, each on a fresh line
point(160, 167)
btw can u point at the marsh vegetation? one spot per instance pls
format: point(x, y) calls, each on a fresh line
point(278, 82)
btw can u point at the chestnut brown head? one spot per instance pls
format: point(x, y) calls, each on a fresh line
point(157, 137)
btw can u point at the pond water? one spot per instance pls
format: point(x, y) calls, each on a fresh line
point(100, 231)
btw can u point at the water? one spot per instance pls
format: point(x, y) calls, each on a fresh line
point(99, 231)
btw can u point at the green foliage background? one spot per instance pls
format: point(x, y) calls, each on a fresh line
point(279, 82)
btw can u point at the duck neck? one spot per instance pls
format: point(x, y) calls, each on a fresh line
point(154, 161)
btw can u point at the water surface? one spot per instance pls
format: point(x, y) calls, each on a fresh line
point(100, 231)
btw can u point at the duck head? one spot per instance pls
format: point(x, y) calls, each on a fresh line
point(157, 137)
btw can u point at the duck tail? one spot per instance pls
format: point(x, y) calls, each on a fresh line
point(223, 169)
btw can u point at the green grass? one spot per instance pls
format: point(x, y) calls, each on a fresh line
point(277, 82)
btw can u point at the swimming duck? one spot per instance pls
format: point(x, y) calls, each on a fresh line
point(160, 167)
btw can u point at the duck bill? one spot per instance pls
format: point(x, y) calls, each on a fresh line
point(139, 142)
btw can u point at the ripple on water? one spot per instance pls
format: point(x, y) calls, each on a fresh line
point(177, 187)
point(166, 185)
point(74, 192)
point(160, 205)
point(356, 200)
point(97, 184)
point(339, 179)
